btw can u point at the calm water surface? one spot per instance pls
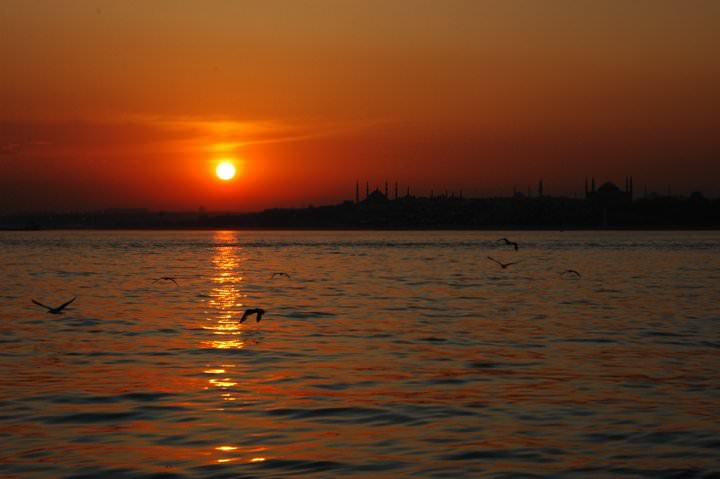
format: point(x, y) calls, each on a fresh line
point(386, 355)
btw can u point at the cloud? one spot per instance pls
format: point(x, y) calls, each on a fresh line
point(22, 147)
point(223, 135)
point(162, 135)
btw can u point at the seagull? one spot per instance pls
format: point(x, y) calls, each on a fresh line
point(502, 265)
point(572, 271)
point(250, 311)
point(280, 274)
point(508, 242)
point(166, 278)
point(58, 310)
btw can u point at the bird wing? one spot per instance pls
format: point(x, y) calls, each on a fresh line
point(512, 263)
point(64, 305)
point(259, 316)
point(493, 259)
point(173, 280)
point(247, 313)
point(505, 240)
point(515, 245)
point(40, 304)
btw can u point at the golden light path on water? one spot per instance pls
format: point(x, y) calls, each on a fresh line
point(225, 308)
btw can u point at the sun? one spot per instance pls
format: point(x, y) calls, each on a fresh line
point(225, 171)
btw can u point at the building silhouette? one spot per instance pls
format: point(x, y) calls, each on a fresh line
point(607, 206)
point(377, 197)
point(609, 194)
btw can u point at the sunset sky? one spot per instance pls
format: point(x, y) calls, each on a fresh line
point(132, 104)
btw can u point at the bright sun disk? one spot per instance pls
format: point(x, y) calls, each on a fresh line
point(225, 171)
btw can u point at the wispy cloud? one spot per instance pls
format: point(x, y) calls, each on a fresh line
point(161, 135)
point(222, 134)
point(22, 147)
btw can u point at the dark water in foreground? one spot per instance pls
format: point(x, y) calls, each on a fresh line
point(386, 355)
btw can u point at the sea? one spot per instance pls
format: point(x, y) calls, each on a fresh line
point(380, 354)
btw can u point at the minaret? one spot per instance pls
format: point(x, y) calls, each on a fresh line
point(357, 191)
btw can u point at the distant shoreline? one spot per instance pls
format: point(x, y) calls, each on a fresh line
point(606, 209)
point(420, 229)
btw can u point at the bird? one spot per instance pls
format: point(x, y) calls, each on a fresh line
point(508, 242)
point(571, 271)
point(166, 278)
point(280, 274)
point(258, 311)
point(502, 265)
point(58, 310)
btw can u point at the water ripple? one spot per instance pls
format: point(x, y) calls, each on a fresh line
point(388, 354)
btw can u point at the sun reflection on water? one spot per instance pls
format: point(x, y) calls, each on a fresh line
point(225, 304)
point(225, 308)
point(236, 453)
point(226, 299)
point(226, 448)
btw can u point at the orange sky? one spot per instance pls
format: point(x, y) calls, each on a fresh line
point(128, 104)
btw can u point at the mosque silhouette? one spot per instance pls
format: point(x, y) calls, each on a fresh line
point(606, 206)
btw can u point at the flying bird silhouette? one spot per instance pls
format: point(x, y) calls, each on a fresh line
point(502, 265)
point(508, 242)
point(58, 310)
point(571, 271)
point(166, 278)
point(274, 275)
point(258, 311)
